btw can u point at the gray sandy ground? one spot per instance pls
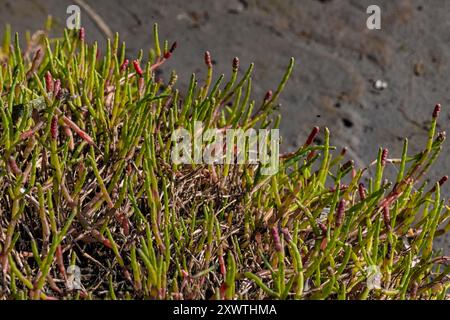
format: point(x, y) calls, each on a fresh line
point(337, 59)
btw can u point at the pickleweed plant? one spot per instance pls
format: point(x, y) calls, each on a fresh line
point(93, 207)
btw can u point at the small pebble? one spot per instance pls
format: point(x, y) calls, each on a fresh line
point(419, 69)
point(380, 85)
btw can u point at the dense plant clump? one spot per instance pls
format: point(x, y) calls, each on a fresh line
point(86, 180)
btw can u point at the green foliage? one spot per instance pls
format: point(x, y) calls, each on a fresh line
point(86, 178)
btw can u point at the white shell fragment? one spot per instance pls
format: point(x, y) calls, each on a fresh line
point(380, 85)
